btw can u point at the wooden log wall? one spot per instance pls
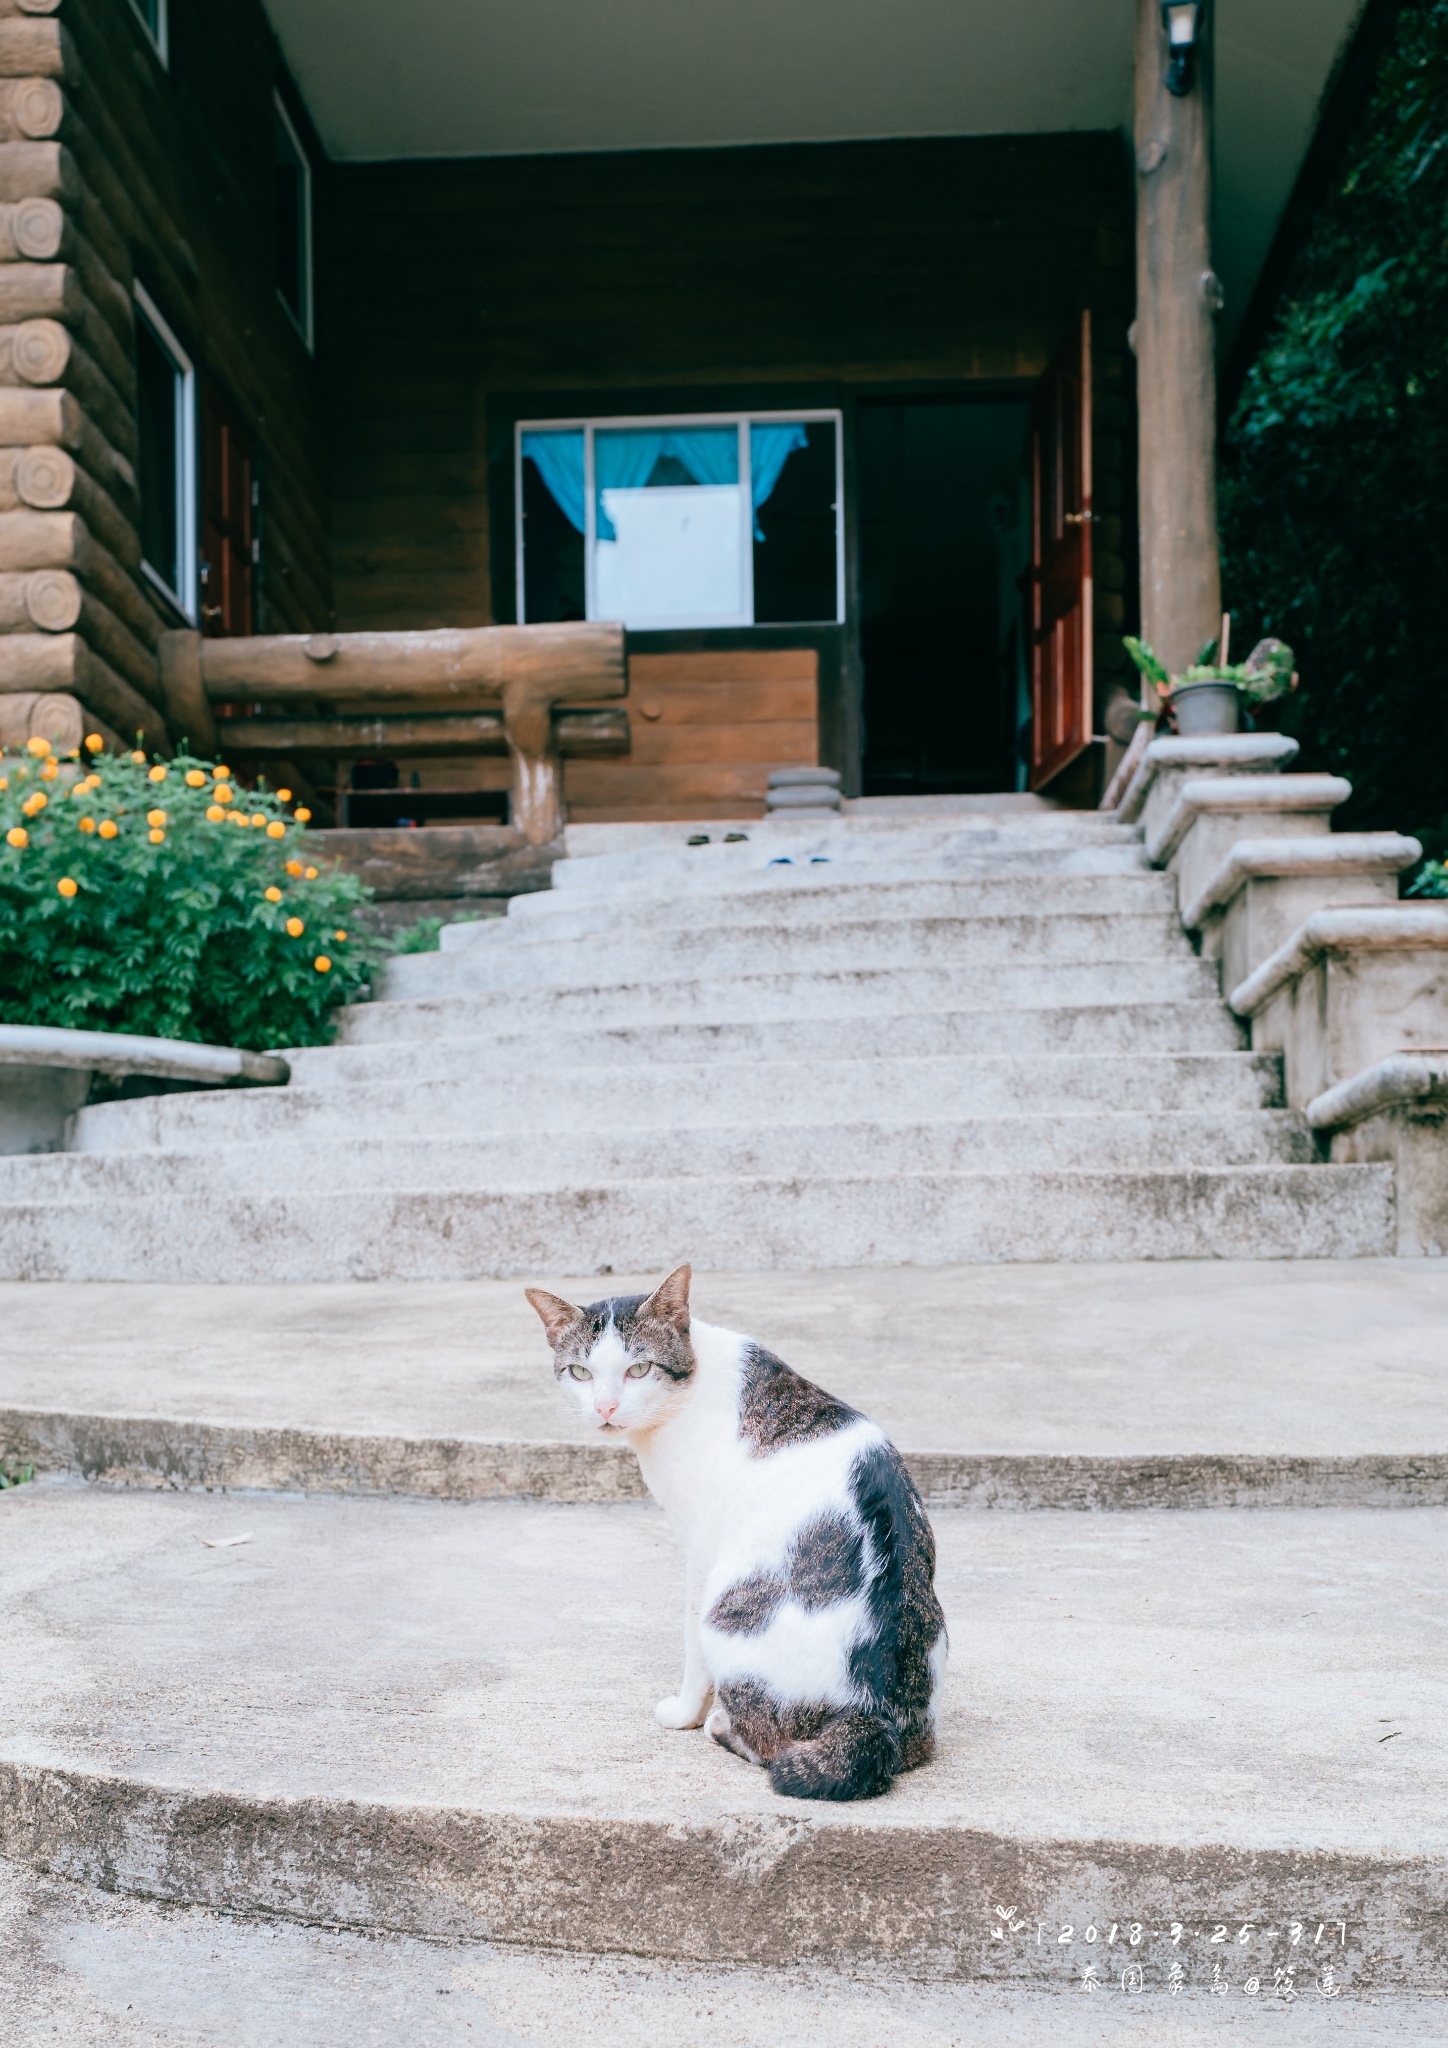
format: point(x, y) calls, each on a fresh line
point(115, 166)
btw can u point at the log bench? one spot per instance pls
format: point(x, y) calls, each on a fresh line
point(46, 1074)
point(524, 690)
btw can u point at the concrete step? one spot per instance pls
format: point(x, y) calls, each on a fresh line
point(1079, 845)
point(96, 1967)
point(1112, 1387)
point(1307, 1212)
point(724, 999)
point(498, 958)
point(328, 1155)
point(453, 1087)
point(370, 1713)
point(791, 898)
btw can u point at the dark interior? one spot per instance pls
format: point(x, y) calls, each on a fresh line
point(944, 509)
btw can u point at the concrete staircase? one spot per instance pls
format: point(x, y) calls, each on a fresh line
point(857, 1042)
point(334, 1721)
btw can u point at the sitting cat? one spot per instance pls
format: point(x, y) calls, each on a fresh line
point(811, 1618)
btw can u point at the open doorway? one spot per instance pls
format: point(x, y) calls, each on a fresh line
point(944, 511)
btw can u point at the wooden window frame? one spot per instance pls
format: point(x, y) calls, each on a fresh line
point(185, 599)
point(742, 420)
point(306, 323)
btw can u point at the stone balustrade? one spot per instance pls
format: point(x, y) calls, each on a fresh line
point(1350, 988)
point(1168, 763)
point(1209, 816)
point(1264, 890)
point(1321, 960)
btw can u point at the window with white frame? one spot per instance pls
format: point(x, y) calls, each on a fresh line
point(153, 20)
point(713, 519)
point(293, 219)
point(166, 408)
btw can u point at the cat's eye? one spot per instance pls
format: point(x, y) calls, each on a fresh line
point(580, 1372)
point(640, 1371)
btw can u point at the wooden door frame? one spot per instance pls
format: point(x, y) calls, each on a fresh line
point(1062, 640)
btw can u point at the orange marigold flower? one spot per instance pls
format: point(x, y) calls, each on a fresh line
point(139, 758)
point(302, 815)
point(155, 817)
point(36, 801)
point(221, 773)
point(17, 836)
point(258, 818)
point(276, 829)
point(49, 770)
point(236, 817)
point(284, 796)
point(195, 779)
point(311, 874)
point(39, 747)
point(93, 743)
point(273, 895)
point(108, 828)
point(85, 824)
point(223, 792)
point(155, 836)
point(215, 813)
point(66, 886)
point(340, 937)
point(158, 773)
point(295, 927)
point(322, 964)
point(294, 867)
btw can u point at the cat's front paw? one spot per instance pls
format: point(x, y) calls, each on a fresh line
point(675, 1712)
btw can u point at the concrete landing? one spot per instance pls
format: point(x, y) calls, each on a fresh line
point(1185, 1384)
point(91, 1968)
point(437, 1718)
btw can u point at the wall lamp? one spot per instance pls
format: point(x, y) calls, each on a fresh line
point(1182, 20)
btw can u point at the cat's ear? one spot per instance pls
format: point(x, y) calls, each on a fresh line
point(559, 1316)
point(669, 1302)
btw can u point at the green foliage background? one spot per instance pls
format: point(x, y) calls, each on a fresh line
point(1335, 477)
point(175, 940)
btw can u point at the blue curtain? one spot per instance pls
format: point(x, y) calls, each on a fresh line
point(624, 458)
point(769, 450)
point(558, 452)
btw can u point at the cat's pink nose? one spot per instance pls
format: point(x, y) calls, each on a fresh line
point(606, 1404)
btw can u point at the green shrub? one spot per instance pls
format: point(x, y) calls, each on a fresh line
point(1431, 880)
point(1335, 456)
point(209, 922)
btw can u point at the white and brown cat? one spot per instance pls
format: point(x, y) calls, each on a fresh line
point(810, 1621)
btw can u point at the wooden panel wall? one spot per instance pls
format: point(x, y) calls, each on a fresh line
point(458, 293)
point(705, 731)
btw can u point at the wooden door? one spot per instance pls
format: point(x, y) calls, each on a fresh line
point(228, 520)
point(1061, 696)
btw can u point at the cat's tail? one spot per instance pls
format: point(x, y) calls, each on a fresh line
point(855, 1756)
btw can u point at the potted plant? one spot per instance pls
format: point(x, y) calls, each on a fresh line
point(1208, 696)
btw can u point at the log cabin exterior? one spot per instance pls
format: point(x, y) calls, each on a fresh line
point(292, 348)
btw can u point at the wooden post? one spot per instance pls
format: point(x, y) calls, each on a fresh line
point(536, 807)
point(1177, 295)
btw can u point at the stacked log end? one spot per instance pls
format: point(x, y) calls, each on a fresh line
point(79, 632)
